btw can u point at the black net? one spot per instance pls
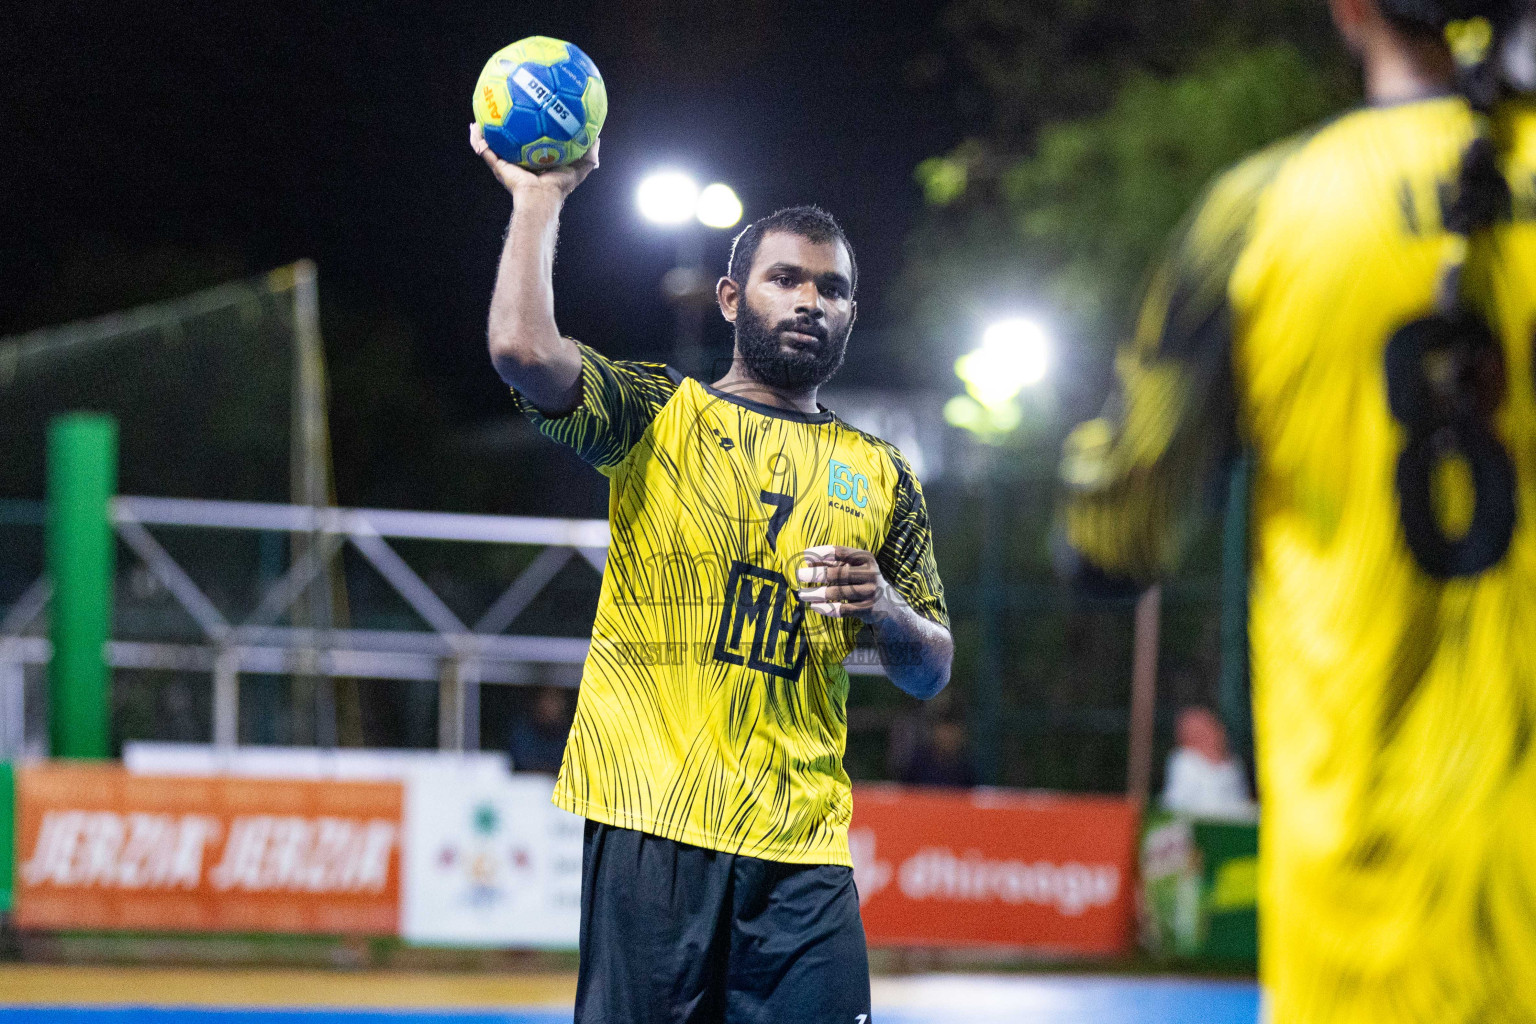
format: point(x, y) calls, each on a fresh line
point(201, 388)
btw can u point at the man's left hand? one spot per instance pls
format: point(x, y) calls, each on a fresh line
point(850, 584)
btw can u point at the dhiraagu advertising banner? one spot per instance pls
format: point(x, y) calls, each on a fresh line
point(985, 867)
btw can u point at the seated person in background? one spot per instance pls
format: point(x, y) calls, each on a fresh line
point(928, 747)
point(1203, 778)
point(537, 742)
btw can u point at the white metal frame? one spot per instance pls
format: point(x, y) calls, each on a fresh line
point(458, 656)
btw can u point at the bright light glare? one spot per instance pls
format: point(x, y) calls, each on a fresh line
point(988, 423)
point(1013, 355)
point(719, 207)
point(667, 197)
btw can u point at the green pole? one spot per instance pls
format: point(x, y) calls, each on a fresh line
point(81, 552)
point(1236, 712)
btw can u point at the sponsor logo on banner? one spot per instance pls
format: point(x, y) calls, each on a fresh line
point(100, 848)
point(484, 858)
point(1071, 888)
point(1031, 870)
point(263, 853)
point(490, 862)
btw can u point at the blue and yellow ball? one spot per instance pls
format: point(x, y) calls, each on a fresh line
point(540, 102)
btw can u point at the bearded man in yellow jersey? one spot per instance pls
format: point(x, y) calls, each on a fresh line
point(1357, 308)
point(753, 535)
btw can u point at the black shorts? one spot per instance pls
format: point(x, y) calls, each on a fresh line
point(677, 934)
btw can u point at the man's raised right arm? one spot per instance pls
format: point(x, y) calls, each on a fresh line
point(526, 347)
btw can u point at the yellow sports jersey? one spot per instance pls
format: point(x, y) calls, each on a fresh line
point(713, 703)
point(1392, 602)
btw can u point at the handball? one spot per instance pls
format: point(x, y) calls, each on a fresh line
point(540, 103)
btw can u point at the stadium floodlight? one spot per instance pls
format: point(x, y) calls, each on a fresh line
point(1014, 354)
point(719, 206)
point(668, 197)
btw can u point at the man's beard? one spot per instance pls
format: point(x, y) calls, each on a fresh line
point(770, 360)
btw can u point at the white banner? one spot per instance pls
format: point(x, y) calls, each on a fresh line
point(489, 861)
point(486, 859)
point(150, 757)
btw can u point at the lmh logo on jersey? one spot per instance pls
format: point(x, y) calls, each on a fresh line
point(844, 486)
point(760, 623)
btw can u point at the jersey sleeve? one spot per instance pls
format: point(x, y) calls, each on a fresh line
point(619, 399)
point(906, 557)
point(1138, 477)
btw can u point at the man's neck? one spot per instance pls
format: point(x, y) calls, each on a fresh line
point(1402, 69)
point(739, 381)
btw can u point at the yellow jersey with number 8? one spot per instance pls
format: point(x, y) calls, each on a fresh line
point(1393, 548)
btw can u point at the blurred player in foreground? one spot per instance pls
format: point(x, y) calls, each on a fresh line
point(707, 749)
point(1357, 306)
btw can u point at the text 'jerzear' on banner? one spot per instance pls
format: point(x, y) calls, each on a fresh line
point(98, 847)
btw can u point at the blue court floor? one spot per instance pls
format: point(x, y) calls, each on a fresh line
point(926, 999)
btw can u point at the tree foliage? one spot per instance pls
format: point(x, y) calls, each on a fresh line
point(1028, 64)
point(1062, 215)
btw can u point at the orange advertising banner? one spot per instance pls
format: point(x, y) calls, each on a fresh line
point(984, 867)
point(97, 847)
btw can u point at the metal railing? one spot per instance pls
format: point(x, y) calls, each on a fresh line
point(458, 655)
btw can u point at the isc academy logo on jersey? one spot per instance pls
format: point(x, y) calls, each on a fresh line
point(760, 623)
point(847, 491)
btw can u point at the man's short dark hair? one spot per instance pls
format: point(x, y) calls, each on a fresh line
point(809, 222)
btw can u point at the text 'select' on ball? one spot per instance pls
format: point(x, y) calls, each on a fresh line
point(540, 102)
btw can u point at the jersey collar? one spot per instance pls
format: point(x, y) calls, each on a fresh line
point(1427, 96)
point(821, 415)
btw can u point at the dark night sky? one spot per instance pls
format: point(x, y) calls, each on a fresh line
point(149, 147)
